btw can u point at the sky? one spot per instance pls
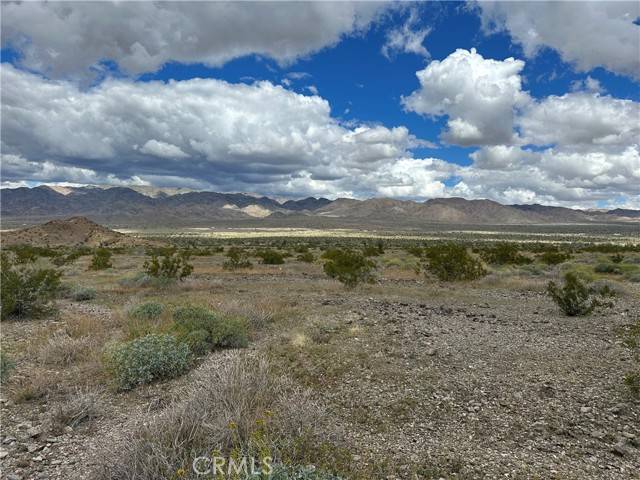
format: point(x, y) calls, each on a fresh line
point(518, 102)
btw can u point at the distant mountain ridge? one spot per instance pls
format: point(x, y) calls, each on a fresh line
point(181, 206)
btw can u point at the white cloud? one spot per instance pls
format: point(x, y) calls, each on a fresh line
point(589, 84)
point(479, 96)
point(581, 119)
point(259, 137)
point(407, 38)
point(586, 34)
point(68, 39)
point(162, 149)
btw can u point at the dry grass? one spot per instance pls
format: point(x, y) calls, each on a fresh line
point(81, 406)
point(63, 350)
point(225, 408)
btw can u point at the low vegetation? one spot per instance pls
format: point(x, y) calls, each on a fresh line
point(348, 267)
point(270, 257)
point(631, 340)
point(504, 254)
point(453, 262)
point(147, 359)
point(237, 258)
point(169, 265)
point(101, 259)
point(7, 365)
point(204, 330)
point(574, 297)
point(26, 290)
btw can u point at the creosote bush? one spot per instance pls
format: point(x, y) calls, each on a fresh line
point(348, 267)
point(306, 257)
point(83, 294)
point(26, 291)
point(554, 257)
point(504, 254)
point(237, 258)
point(451, 262)
point(270, 257)
point(101, 259)
point(146, 311)
point(204, 330)
point(173, 265)
point(146, 359)
point(574, 298)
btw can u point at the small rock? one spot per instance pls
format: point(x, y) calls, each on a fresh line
point(430, 352)
point(34, 432)
point(620, 449)
point(38, 458)
point(599, 434)
point(585, 409)
point(4, 454)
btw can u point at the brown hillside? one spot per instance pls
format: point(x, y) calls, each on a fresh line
point(73, 231)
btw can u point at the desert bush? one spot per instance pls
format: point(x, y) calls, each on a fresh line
point(504, 254)
point(82, 294)
point(270, 257)
point(631, 340)
point(370, 250)
point(607, 288)
point(146, 311)
point(609, 268)
point(284, 472)
point(26, 291)
point(173, 266)
point(306, 257)
point(222, 331)
point(146, 359)
point(574, 298)
point(6, 366)
point(617, 258)
point(144, 319)
point(30, 253)
point(237, 258)
point(451, 262)
point(238, 406)
point(349, 267)
point(101, 259)
point(71, 257)
point(415, 251)
point(554, 257)
point(63, 350)
point(81, 406)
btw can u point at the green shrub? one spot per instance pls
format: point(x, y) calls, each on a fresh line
point(27, 291)
point(82, 294)
point(306, 257)
point(574, 298)
point(230, 332)
point(237, 258)
point(101, 259)
point(173, 266)
point(270, 257)
point(617, 258)
point(553, 257)
point(504, 254)
point(146, 359)
point(451, 262)
point(415, 251)
point(199, 341)
point(147, 311)
point(6, 366)
point(349, 267)
point(30, 253)
point(222, 331)
point(607, 268)
point(373, 250)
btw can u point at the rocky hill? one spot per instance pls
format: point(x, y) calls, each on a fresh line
point(75, 231)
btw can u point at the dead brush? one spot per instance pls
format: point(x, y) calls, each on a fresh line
point(81, 406)
point(223, 408)
point(63, 350)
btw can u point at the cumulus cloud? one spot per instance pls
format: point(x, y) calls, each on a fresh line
point(581, 119)
point(479, 96)
point(408, 38)
point(70, 39)
point(258, 137)
point(586, 34)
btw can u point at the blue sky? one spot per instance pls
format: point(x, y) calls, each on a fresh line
point(558, 124)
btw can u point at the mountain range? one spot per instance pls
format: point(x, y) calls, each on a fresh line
point(146, 206)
